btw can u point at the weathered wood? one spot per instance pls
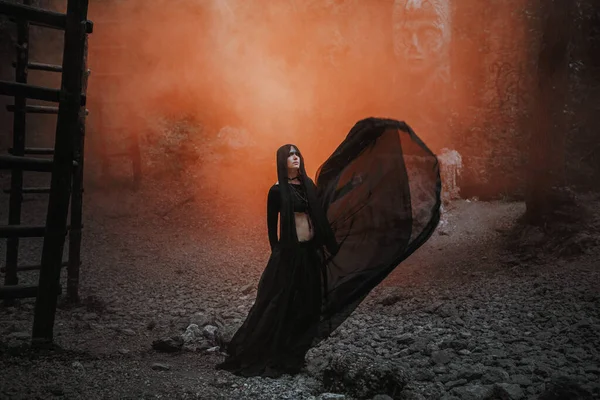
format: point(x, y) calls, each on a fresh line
point(16, 178)
point(77, 200)
point(42, 67)
point(16, 231)
point(36, 267)
point(40, 151)
point(38, 109)
point(35, 109)
point(18, 292)
point(36, 16)
point(30, 190)
point(49, 68)
point(28, 163)
point(67, 130)
point(29, 91)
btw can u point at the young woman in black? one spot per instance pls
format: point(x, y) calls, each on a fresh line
point(376, 200)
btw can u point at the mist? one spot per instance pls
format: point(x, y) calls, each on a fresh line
point(299, 72)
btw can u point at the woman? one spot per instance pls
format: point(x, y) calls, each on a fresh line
point(376, 201)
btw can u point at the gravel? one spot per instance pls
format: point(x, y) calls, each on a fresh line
point(463, 318)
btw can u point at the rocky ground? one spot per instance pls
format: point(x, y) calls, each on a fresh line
point(463, 319)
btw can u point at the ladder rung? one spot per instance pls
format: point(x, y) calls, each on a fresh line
point(35, 109)
point(89, 25)
point(30, 190)
point(38, 109)
point(42, 67)
point(32, 267)
point(23, 231)
point(21, 291)
point(36, 151)
point(34, 15)
point(18, 291)
point(33, 92)
point(27, 163)
point(7, 231)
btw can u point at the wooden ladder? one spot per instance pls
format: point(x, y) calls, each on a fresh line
point(66, 166)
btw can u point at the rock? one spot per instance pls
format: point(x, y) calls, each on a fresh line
point(168, 345)
point(473, 392)
point(521, 380)
point(390, 299)
point(55, 389)
point(161, 367)
point(129, 332)
point(78, 366)
point(441, 357)
point(507, 391)
point(202, 319)
point(363, 376)
point(89, 317)
point(471, 373)
point(405, 339)
point(194, 339)
point(210, 332)
point(450, 384)
point(19, 335)
point(331, 396)
point(382, 397)
point(495, 375)
point(226, 333)
point(565, 388)
point(454, 344)
point(192, 333)
point(247, 289)
point(424, 375)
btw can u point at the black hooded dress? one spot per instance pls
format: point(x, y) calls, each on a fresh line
point(376, 200)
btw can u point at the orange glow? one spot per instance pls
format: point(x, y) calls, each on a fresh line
point(285, 71)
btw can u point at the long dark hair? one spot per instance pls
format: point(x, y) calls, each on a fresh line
point(288, 237)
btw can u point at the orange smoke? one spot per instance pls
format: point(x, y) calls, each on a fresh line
point(284, 71)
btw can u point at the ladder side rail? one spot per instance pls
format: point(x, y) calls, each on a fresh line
point(19, 131)
point(77, 198)
point(67, 128)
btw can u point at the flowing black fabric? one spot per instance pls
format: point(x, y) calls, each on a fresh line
point(376, 200)
point(381, 191)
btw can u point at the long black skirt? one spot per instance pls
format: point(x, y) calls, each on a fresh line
point(282, 323)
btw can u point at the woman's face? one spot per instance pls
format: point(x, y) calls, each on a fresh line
point(293, 160)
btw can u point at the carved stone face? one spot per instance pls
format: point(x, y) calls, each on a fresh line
point(421, 33)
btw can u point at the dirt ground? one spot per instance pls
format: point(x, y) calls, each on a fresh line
point(145, 274)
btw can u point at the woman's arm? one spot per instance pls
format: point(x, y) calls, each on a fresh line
point(273, 205)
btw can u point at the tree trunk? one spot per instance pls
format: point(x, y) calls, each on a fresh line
point(546, 175)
